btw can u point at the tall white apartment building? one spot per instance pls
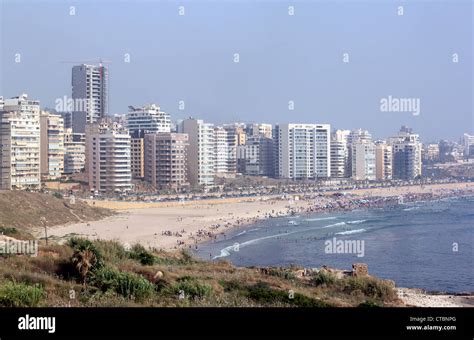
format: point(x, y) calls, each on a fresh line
point(383, 160)
point(20, 137)
point(108, 161)
point(363, 160)
point(340, 154)
point(148, 118)
point(74, 152)
point(467, 141)
point(52, 145)
point(89, 94)
point(303, 151)
point(201, 152)
point(406, 148)
point(225, 151)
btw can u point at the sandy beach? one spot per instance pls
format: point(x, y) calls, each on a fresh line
point(174, 225)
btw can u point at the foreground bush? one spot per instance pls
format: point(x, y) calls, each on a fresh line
point(127, 284)
point(20, 295)
point(192, 288)
point(262, 293)
point(323, 278)
point(139, 253)
point(370, 287)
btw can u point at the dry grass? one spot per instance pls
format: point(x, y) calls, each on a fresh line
point(218, 284)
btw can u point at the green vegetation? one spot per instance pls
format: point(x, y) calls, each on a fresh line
point(14, 294)
point(104, 273)
point(128, 285)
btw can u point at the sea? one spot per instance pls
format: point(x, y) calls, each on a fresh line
point(426, 245)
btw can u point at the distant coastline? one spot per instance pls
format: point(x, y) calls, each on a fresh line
point(177, 225)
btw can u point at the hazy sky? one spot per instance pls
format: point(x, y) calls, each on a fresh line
point(282, 58)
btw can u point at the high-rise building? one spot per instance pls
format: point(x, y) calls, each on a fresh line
point(52, 145)
point(259, 129)
point(74, 152)
point(467, 141)
point(225, 152)
point(383, 160)
point(303, 151)
point(137, 154)
point(148, 118)
point(406, 148)
point(89, 94)
point(108, 161)
point(258, 153)
point(340, 154)
point(201, 152)
point(363, 160)
point(20, 143)
point(165, 160)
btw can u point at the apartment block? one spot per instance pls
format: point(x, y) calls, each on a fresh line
point(406, 148)
point(52, 145)
point(74, 152)
point(108, 154)
point(383, 160)
point(201, 152)
point(363, 160)
point(165, 160)
point(137, 154)
point(303, 151)
point(89, 94)
point(340, 154)
point(258, 154)
point(148, 118)
point(20, 137)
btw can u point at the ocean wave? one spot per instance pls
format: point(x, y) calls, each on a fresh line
point(349, 232)
point(356, 221)
point(333, 225)
point(320, 219)
point(412, 208)
point(241, 233)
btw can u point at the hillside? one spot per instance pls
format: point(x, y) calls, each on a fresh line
point(98, 273)
point(22, 210)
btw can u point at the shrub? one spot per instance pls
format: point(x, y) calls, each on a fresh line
point(262, 293)
point(82, 244)
point(139, 253)
point(58, 195)
point(127, 284)
point(282, 273)
point(231, 285)
point(14, 294)
point(186, 257)
point(8, 231)
point(323, 278)
point(370, 287)
point(369, 304)
point(111, 250)
point(192, 288)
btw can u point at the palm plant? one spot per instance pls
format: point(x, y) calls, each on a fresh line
point(84, 260)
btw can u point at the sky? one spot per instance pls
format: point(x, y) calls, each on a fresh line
point(290, 69)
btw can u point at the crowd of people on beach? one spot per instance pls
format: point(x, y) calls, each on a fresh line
point(324, 204)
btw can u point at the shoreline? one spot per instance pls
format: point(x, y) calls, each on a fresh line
point(178, 225)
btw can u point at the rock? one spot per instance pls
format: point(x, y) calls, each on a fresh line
point(360, 269)
point(158, 275)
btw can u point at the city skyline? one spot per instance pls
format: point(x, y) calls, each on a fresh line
point(274, 68)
